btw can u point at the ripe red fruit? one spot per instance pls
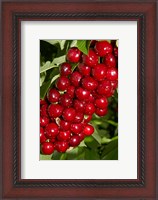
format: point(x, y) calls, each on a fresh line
point(74, 55)
point(76, 128)
point(102, 102)
point(112, 74)
point(51, 130)
point(64, 125)
point(64, 135)
point(82, 93)
point(65, 100)
point(75, 78)
point(53, 95)
point(84, 69)
point(74, 141)
point(110, 60)
point(44, 121)
point(42, 102)
point(79, 105)
point(87, 118)
point(81, 136)
point(101, 112)
point(55, 110)
point(99, 72)
point(91, 59)
point(47, 148)
point(102, 48)
point(104, 88)
point(42, 135)
point(65, 69)
point(89, 109)
point(71, 91)
point(88, 130)
point(79, 117)
point(89, 83)
point(61, 146)
point(43, 110)
point(62, 83)
point(69, 114)
point(114, 84)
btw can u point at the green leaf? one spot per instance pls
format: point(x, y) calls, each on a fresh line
point(83, 45)
point(90, 154)
point(82, 144)
point(48, 65)
point(112, 155)
point(96, 136)
point(42, 78)
point(44, 88)
point(73, 43)
point(59, 60)
point(45, 157)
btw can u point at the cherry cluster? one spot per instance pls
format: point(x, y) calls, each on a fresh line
point(78, 94)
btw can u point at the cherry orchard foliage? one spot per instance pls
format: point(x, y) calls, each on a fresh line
point(78, 99)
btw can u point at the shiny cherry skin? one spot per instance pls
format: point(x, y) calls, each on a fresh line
point(53, 95)
point(89, 83)
point(65, 100)
point(61, 146)
point(47, 148)
point(44, 121)
point(104, 87)
point(65, 69)
point(64, 125)
point(76, 128)
point(81, 136)
point(74, 141)
point(44, 110)
point(88, 130)
point(89, 109)
point(69, 114)
point(79, 117)
point(74, 55)
point(51, 130)
point(99, 72)
point(71, 91)
point(110, 60)
point(87, 119)
point(101, 102)
point(91, 59)
point(42, 102)
point(114, 84)
point(64, 135)
point(112, 74)
point(90, 99)
point(82, 93)
point(55, 110)
point(62, 83)
point(42, 135)
point(84, 69)
point(101, 112)
point(75, 78)
point(79, 105)
point(102, 48)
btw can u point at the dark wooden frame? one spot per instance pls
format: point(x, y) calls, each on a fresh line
point(144, 187)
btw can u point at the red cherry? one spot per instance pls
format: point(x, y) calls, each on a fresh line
point(79, 117)
point(75, 78)
point(62, 83)
point(104, 88)
point(89, 109)
point(61, 146)
point(69, 114)
point(74, 141)
point(82, 93)
point(64, 125)
point(47, 148)
point(89, 83)
point(99, 72)
point(90, 99)
point(101, 112)
point(79, 105)
point(81, 136)
point(84, 69)
point(65, 100)
point(91, 59)
point(76, 128)
point(114, 84)
point(110, 60)
point(87, 119)
point(53, 95)
point(64, 135)
point(112, 74)
point(74, 55)
point(55, 110)
point(42, 135)
point(43, 110)
point(103, 47)
point(88, 130)
point(44, 121)
point(51, 130)
point(101, 102)
point(65, 69)
point(42, 102)
point(71, 91)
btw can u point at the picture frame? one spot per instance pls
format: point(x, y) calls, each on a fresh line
point(145, 186)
